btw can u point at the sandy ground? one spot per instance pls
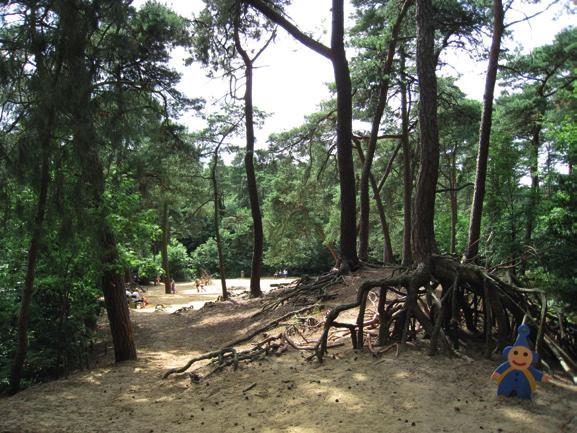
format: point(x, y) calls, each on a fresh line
point(349, 392)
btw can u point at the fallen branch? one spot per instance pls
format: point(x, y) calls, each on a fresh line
point(269, 326)
point(210, 355)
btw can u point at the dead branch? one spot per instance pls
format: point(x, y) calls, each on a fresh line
point(316, 288)
point(270, 325)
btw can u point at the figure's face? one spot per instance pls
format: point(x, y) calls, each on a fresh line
point(520, 357)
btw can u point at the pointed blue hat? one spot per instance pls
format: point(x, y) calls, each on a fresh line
point(523, 332)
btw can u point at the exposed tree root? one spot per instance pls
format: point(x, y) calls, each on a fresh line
point(451, 302)
point(270, 325)
point(228, 356)
point(305, 291)
point(445, 297)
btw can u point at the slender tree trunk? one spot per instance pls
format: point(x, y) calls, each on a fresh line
point(336, 54)
point(258, 237)
point(46, 119)
point(77, 26)
point(348, 226)
point(376, 123)
point(407, 256)
point(388, 256)
point(485, 134)
point(453, 200)
point(115, 297)
point(423, 229)
point(533, 194)
point(217, 226)
point(164, 225)
point(27, 289)
point(387, 244)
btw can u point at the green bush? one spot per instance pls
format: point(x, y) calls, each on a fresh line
point(179, 262)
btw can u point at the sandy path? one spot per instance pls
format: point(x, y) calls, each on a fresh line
point(350, 392)
point(187, 295)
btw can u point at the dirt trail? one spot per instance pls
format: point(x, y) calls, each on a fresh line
point(350, 392)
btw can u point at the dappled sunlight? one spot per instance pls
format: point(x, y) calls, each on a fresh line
point(330, 394)
point(361, 377)
point(93, 380)
point(402, 375)
point(296, 429)
point(352, 392)
point(197, 305)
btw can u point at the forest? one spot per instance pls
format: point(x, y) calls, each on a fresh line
point(103, 187)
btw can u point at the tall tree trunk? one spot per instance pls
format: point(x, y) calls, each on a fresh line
point(533, 201)
point(78, 25)
point(27, 289)
point(376, 123)
point(423, 229)
point(453, 200)
point(217, 225)
point(164, 226)
point(46, 117)
point(407, 254)
point(388, 256)
point(485, 133)
point(336, 54)
point(349, 258)
point(115, 297)
point(258, 238)
point(387, 244)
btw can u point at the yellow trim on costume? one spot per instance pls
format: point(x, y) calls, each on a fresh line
point(526, 372)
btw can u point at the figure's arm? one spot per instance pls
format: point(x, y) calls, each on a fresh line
point(539, 376)
point(499, 370)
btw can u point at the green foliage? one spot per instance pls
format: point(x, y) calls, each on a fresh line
point(132, 91)
point(64, 310)
point(63, 315)
point(236, 234)
point(557, 244)
point(179, 262)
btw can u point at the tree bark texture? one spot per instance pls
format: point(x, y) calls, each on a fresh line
point(375, 126)
point(348, 223)
point(423, 229)
point(407, 254)
point(485, 133)
point(257, 230)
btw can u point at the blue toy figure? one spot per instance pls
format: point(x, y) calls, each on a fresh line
point(516, 377)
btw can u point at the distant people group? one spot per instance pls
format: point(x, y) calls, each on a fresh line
point(281, 273)
point(135, 298)
point(199, 283)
